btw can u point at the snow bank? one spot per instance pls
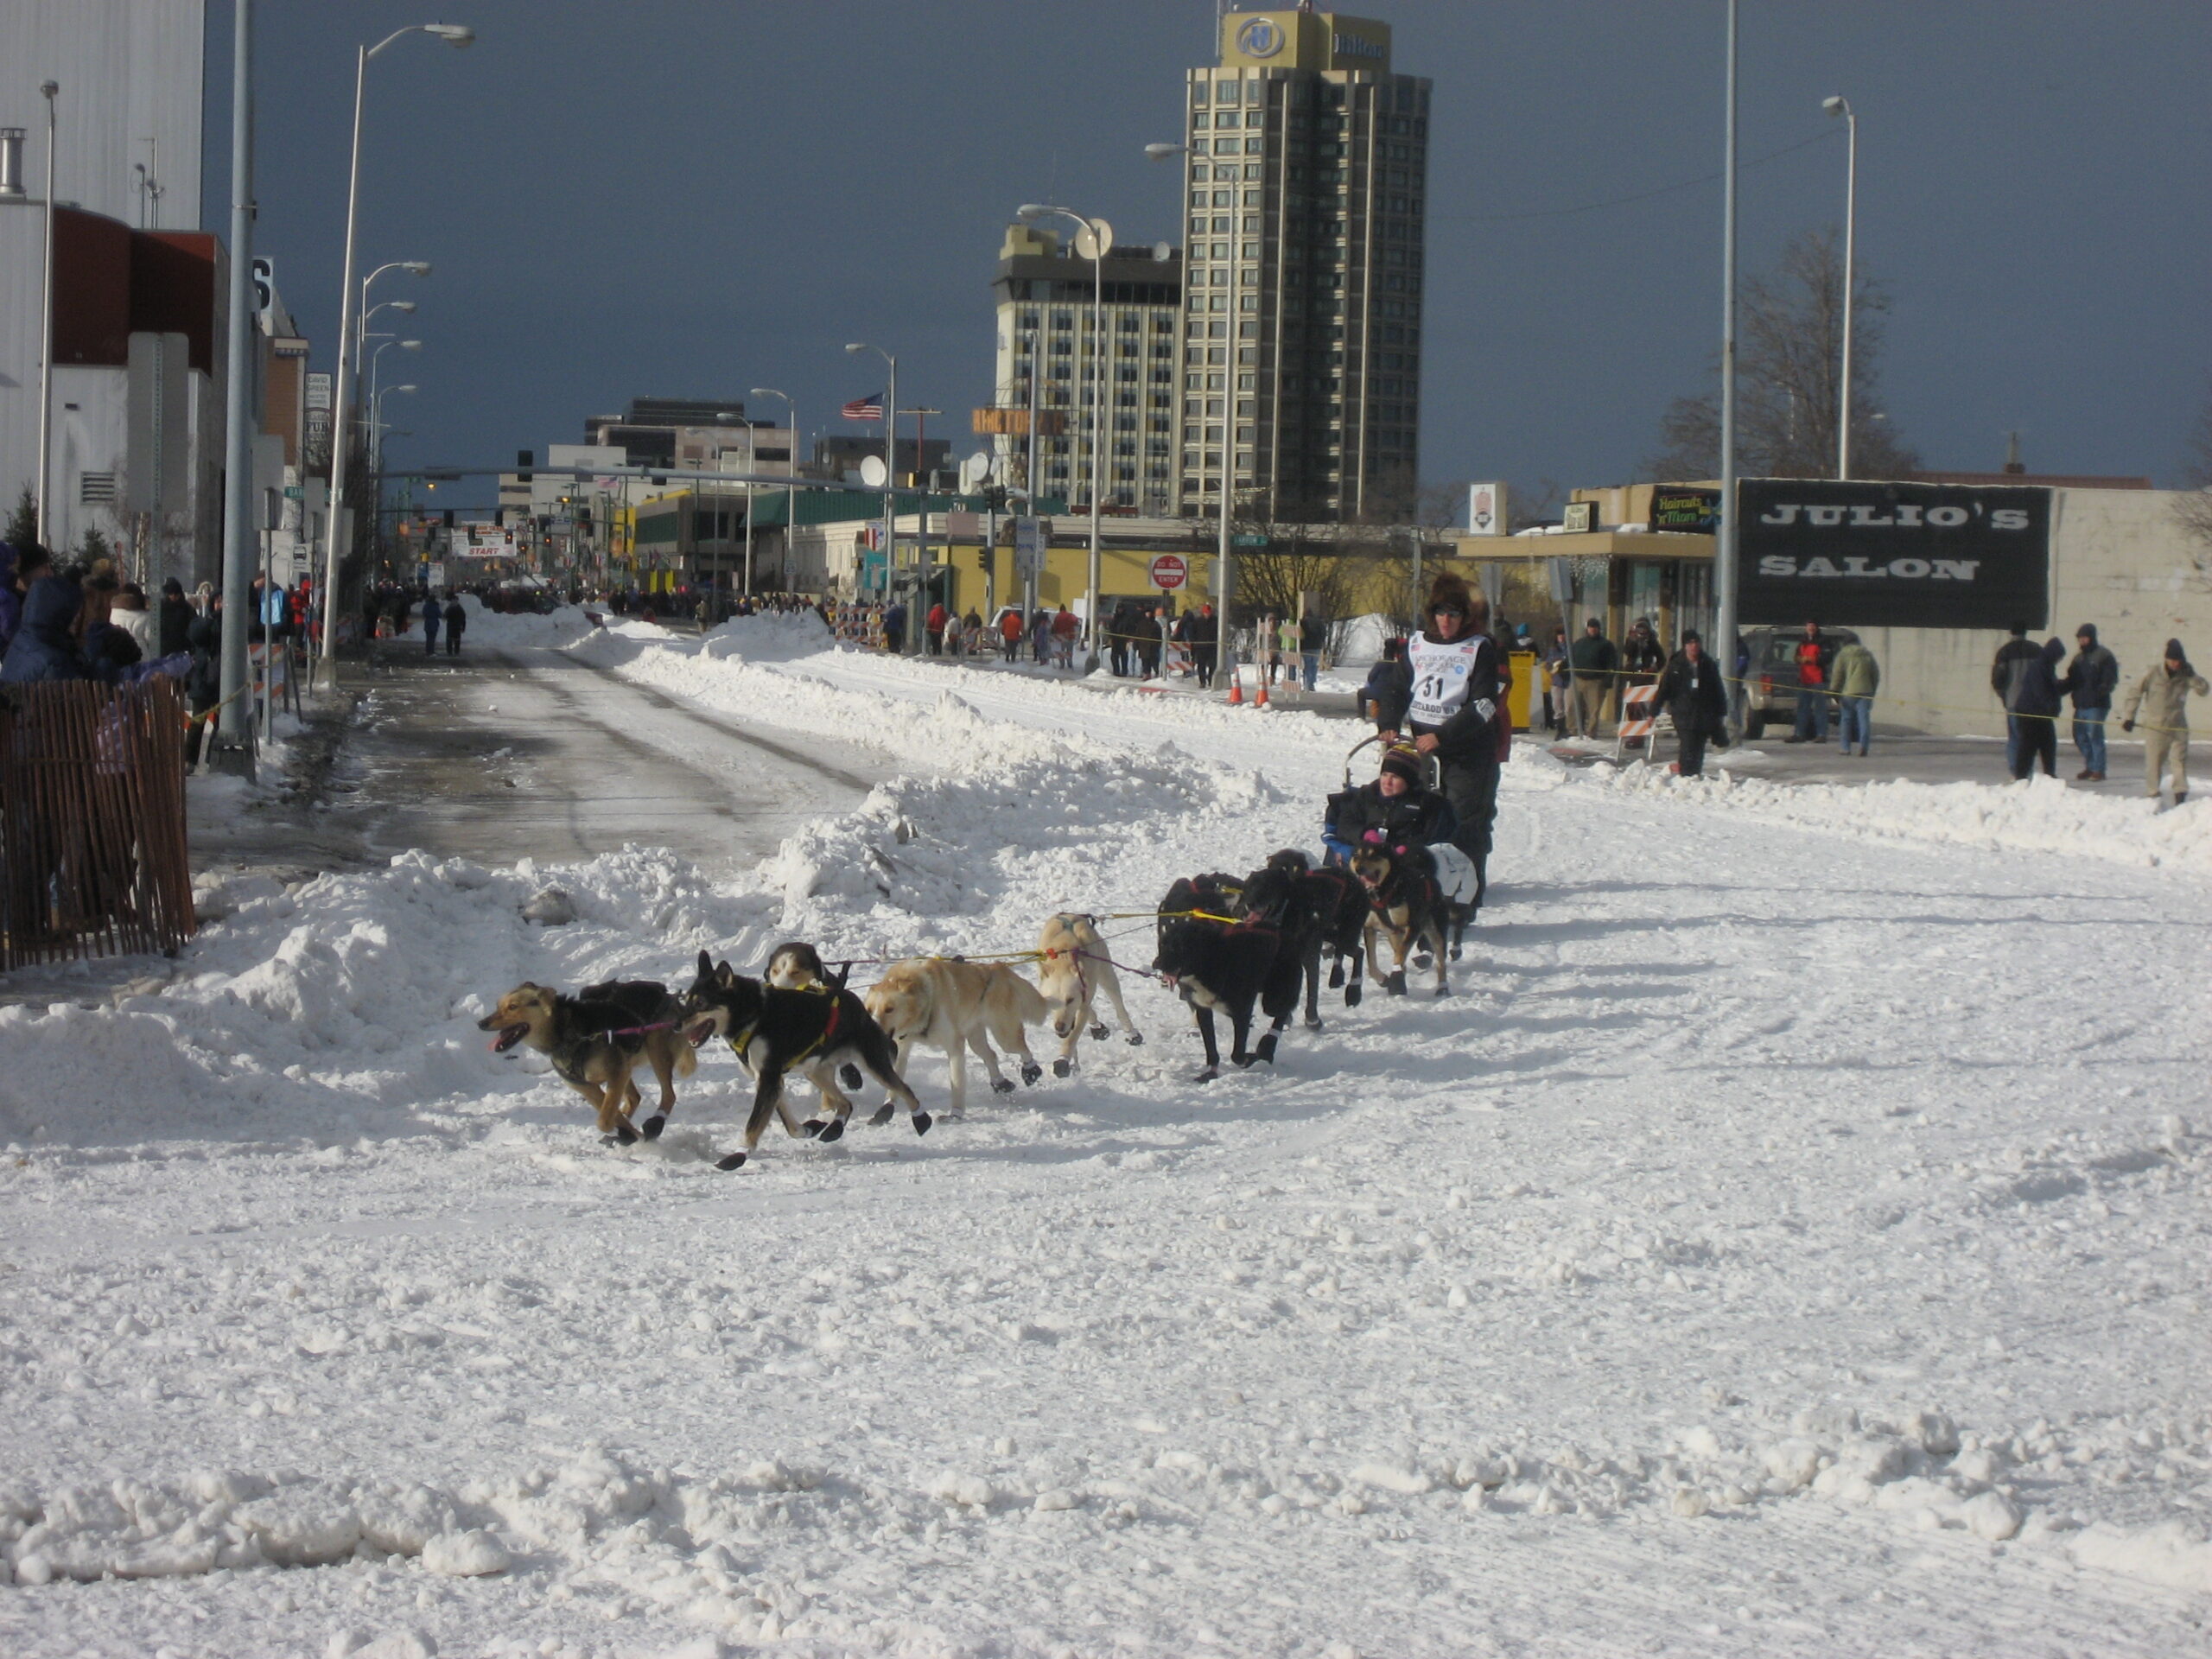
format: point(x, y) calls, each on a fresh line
point(488, 627)
point(2041, 815)
point(770, 637)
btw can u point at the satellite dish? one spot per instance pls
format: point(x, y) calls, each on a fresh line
point(1095, 240)
point(1163, 252)
point(974, 471)
point(873, 471)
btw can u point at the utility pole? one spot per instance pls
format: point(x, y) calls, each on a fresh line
point(1724, 560)
point(235, 723)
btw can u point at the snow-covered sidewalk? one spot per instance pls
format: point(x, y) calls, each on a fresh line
point(1788, 1239)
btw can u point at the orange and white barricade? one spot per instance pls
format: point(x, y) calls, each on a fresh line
point(1639, 716)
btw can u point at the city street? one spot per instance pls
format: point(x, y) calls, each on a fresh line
point(520, 752)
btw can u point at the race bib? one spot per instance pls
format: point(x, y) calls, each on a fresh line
point(1442, 673)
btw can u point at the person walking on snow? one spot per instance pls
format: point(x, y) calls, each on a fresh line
point(1446, 694)
point(2091, 678)
point(456, 620)
point(1691, 690)
point(1855, 676)
point(432, 616)
point(2162, 697)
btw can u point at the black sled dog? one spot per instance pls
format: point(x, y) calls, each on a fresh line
point(811, 1031)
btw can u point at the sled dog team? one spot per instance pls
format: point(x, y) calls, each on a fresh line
point(1225, 946)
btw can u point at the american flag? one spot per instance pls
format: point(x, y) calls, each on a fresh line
point(869, 408)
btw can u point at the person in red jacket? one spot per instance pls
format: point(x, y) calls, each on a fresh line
point(935, 624)
point(1815, 651)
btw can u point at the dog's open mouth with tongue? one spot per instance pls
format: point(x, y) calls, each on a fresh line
point(508, 1037)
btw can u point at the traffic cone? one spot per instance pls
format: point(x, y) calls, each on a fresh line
point(1235, 686)
point(1261, 702)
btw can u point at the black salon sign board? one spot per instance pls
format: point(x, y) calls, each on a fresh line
point(1893, 555)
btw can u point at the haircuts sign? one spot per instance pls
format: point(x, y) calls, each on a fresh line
point(1894, 556)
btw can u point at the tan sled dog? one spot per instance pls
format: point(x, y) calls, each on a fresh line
point(1075, 969)
point(958, 1006)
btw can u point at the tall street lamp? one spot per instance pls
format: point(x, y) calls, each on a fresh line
point(790, 496)
point(913, 633)
point(1724, 551)
point(1841, 105)
point(404, 346)
point(362, 310)
point(49, 90)
point(1093, 241)
point(1224, 556)
point(453, 34)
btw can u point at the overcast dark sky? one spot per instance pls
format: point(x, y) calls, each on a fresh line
point(677, 198)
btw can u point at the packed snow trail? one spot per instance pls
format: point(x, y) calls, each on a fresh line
point(1785, 1241)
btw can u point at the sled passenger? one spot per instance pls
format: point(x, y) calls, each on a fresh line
point(1398, 809)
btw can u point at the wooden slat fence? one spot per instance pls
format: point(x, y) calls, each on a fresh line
point(92, 822)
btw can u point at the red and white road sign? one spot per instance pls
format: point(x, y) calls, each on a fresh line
point(1169, 572)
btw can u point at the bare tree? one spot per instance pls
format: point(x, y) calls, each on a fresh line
point(1788, 377)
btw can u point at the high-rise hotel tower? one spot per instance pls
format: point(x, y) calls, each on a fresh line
point(1304, 198)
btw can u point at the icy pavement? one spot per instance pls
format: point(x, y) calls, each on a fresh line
point(1788, 1239)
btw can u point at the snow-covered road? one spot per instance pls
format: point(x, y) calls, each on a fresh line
point(1789, 1239)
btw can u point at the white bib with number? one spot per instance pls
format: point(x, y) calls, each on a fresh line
point(1443, 672)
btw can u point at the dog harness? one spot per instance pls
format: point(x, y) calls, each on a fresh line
point(743, 1041)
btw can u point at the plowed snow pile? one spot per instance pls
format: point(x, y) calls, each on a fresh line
point(1787, 1238)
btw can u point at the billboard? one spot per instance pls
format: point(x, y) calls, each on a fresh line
point(1893, 555)
point(1486, 514)
point(1685, 508)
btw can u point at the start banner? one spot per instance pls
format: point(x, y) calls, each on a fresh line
point(1893, 555)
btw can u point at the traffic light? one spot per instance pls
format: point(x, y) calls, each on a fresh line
point(525, 460)
point(448, 513)
point(983, 560)
point(583, 518)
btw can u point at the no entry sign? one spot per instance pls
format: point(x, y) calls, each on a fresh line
point(1169, 572)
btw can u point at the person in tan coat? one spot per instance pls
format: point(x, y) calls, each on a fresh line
point(2162, 697)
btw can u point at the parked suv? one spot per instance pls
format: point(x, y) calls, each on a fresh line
point(1770, 692)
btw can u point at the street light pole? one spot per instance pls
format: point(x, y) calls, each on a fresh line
point(1840, 106)
point(235, 720)
point(453, 34)
point(891, 496)
point(1224, 554)
point(49, 90)
point(1724, 560)
point(1100, 235)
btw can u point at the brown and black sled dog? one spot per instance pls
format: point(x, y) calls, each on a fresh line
point(595, 1039)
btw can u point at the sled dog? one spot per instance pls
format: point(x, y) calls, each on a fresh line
point(1404, 907)
point(958, 1007)
point(1222, 966)
point(1072, 972)
point(595, 1039)
point(775, 1031)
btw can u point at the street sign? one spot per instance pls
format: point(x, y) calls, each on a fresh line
point(1486, 509)
point(1248, 541)
point(1169, 572)
point(1031, 538)
point(264, 282)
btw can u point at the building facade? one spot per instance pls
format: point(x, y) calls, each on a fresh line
point(1046, 296)
point(1304, 199)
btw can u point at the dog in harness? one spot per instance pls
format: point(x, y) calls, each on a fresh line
point(811, 1031)
point(1224, 961)
point(1072, 972)
point(595, 1039)
point(1405, 906)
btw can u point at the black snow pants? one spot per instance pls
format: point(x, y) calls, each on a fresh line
point(1470, 788)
